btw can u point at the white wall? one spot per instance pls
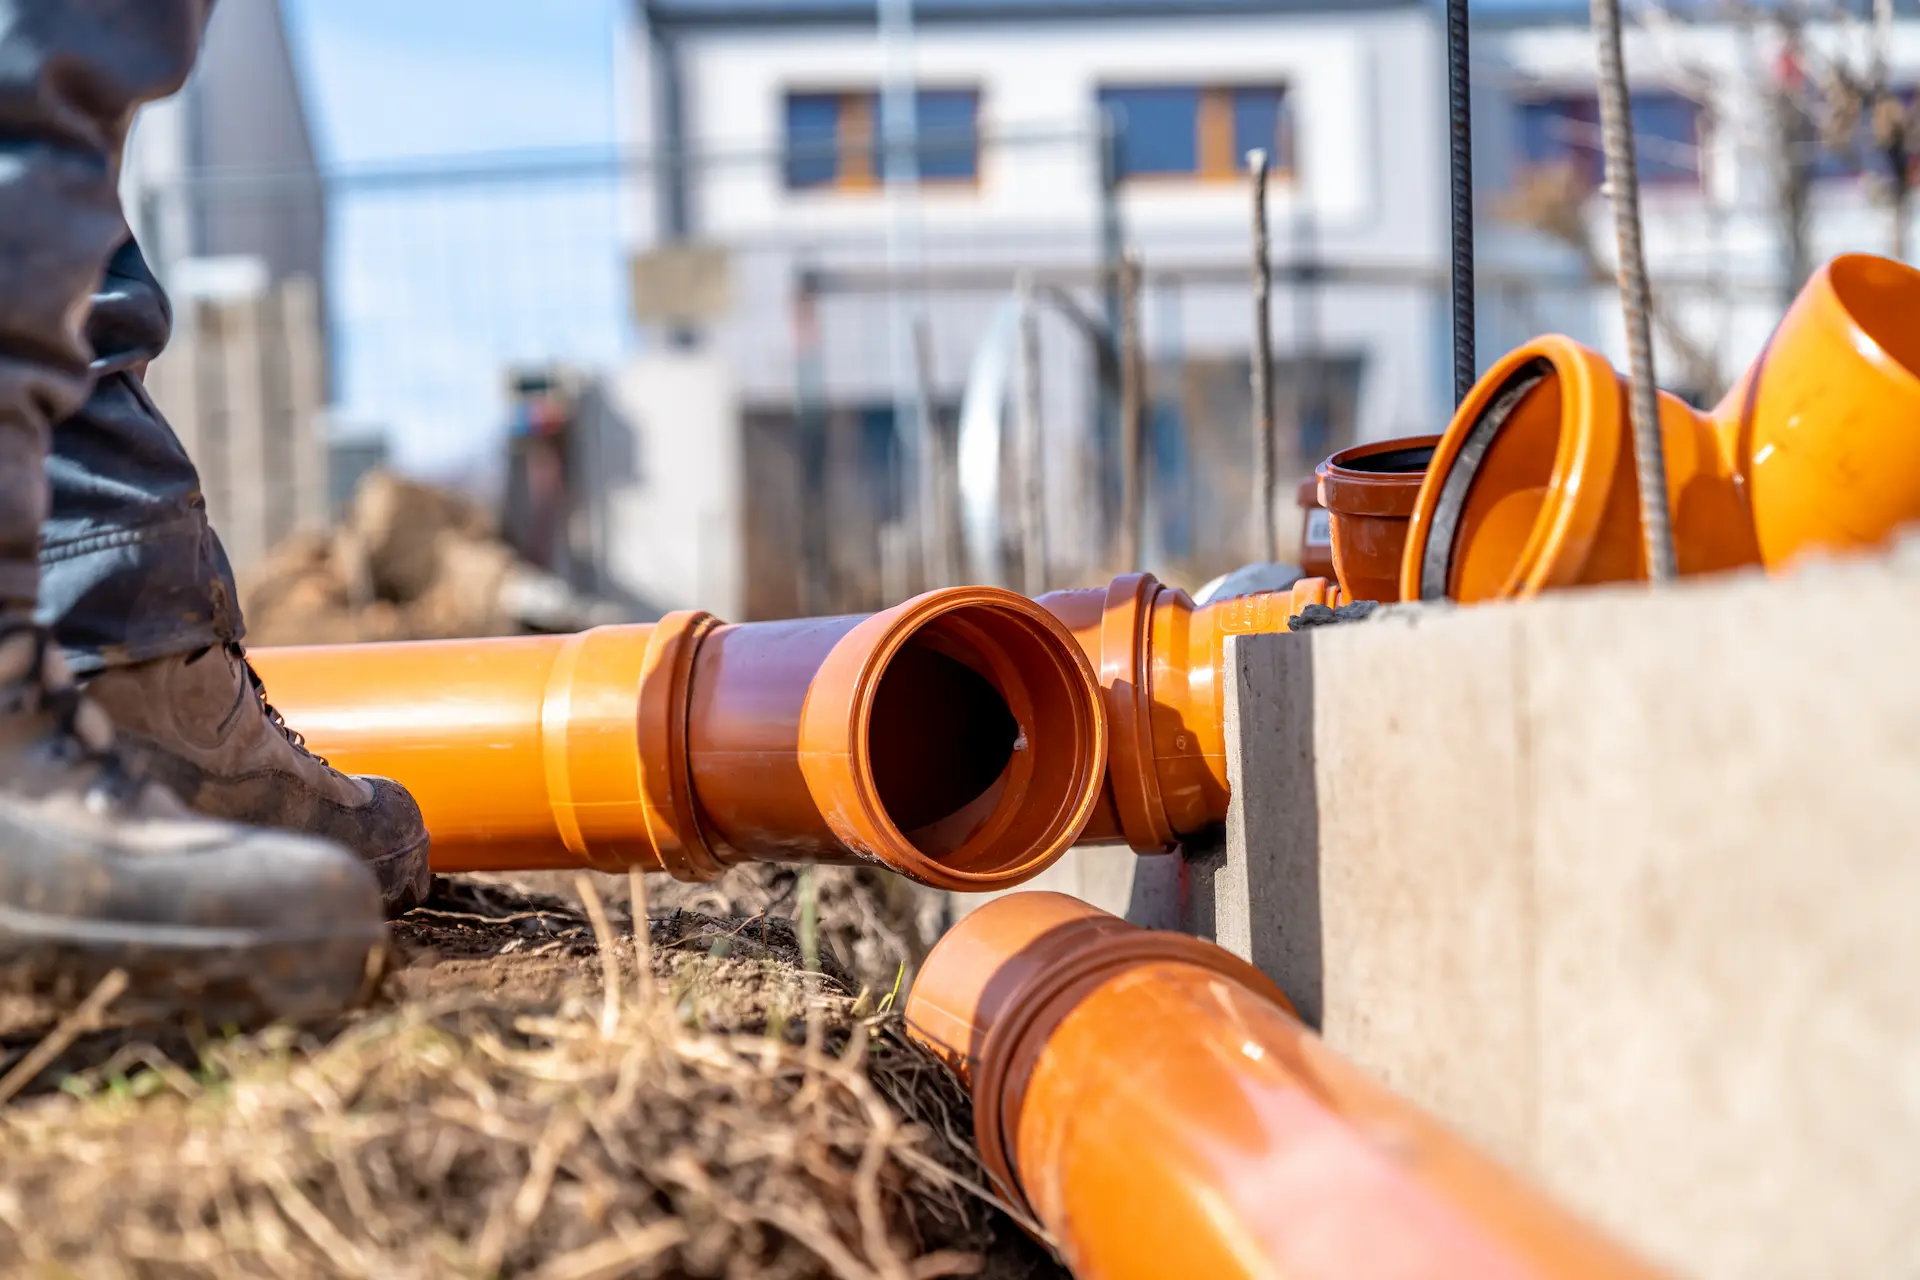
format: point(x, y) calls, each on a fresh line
point(675, 536)
point(1366, 92)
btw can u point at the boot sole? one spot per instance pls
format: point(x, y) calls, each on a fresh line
point(406, 877)
point(238, 977)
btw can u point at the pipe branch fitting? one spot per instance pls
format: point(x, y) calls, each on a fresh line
point(957, 738)
point(1162, 668)
point(1532, 486)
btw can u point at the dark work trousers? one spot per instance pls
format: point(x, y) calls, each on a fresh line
point(129, 568)
point(106, 540)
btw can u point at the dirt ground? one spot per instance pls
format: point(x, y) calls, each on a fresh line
point(515, 1101)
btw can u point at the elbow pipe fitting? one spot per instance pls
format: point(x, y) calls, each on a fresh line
point(1153, 1102)
point(957, 738)
point(1532, 485)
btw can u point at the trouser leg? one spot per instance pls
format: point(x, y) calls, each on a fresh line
point(71, 74)
point(130, 570)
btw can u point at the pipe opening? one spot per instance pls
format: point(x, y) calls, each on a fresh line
point(1393, 462)
point(923, 776)
point(1878, 295)
point(983, 742)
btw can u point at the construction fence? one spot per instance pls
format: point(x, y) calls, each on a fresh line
point(446, 282)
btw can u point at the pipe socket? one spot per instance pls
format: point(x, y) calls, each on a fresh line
point(1532, 486)
point(957, 738)
point(1151, 1100)
point(1369, 492)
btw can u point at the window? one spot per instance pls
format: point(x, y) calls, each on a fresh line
point(1197, 131)
point(1565, 129)
point(835, 140)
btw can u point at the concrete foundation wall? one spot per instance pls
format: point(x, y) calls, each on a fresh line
point(1623, 885)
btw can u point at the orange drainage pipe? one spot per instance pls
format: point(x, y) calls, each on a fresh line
point(1152, 1101)
point(1370, 491)
point(1532, 485)
point(1161, 663)
point(957, 738)
point(690, 745)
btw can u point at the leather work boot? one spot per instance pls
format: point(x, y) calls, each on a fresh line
point(201, 725)
point(100, 870)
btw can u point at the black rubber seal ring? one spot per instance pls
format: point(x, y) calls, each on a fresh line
point(1436, 562)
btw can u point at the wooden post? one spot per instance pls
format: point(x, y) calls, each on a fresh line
point(1266, 545)
point(1133, 412)
point(1032, 448)
point(938, 484)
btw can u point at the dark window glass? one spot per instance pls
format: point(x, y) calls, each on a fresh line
point(812, 139)
point(1157, 130)
point(1566, 130)
point(1556, 130)
point(1260, 120)
point(949, 126)
point(1666, 138)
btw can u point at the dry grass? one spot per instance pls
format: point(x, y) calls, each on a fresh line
point(544, 1112)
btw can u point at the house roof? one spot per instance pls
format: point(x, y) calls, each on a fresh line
point(713, 14)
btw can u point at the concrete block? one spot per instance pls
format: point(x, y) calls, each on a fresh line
point(1262, 898)
point(1625, 886)
point(1726, 846)
point(1426, 881)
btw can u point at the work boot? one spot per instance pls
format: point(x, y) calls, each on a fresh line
point(200, 724)
point(100, 870)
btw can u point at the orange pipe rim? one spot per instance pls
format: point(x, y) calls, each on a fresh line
point(1370, 492)
point(1126, 683)
point(1061, 967)
point(1035, 816)
point(669, 808)
point(1587, 444)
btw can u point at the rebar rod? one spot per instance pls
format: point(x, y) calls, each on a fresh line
point(1460, 157)
point(1636, 297)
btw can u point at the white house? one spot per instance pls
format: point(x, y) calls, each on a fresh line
point(759, 122)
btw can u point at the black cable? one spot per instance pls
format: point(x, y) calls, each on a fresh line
point(1460, 137)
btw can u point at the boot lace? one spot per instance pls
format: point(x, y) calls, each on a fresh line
point(294, 737)
point(86, 745)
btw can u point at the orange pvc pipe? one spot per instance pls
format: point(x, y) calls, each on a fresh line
point(957, 738)
point(1161, 662)
point(1532, 486)
point(1370, 491)
point(690, 745)
point(1151, 1099)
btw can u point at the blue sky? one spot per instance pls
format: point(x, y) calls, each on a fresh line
point(437, 288)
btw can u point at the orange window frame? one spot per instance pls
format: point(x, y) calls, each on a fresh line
point(856, 143)
point(1214, 153)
